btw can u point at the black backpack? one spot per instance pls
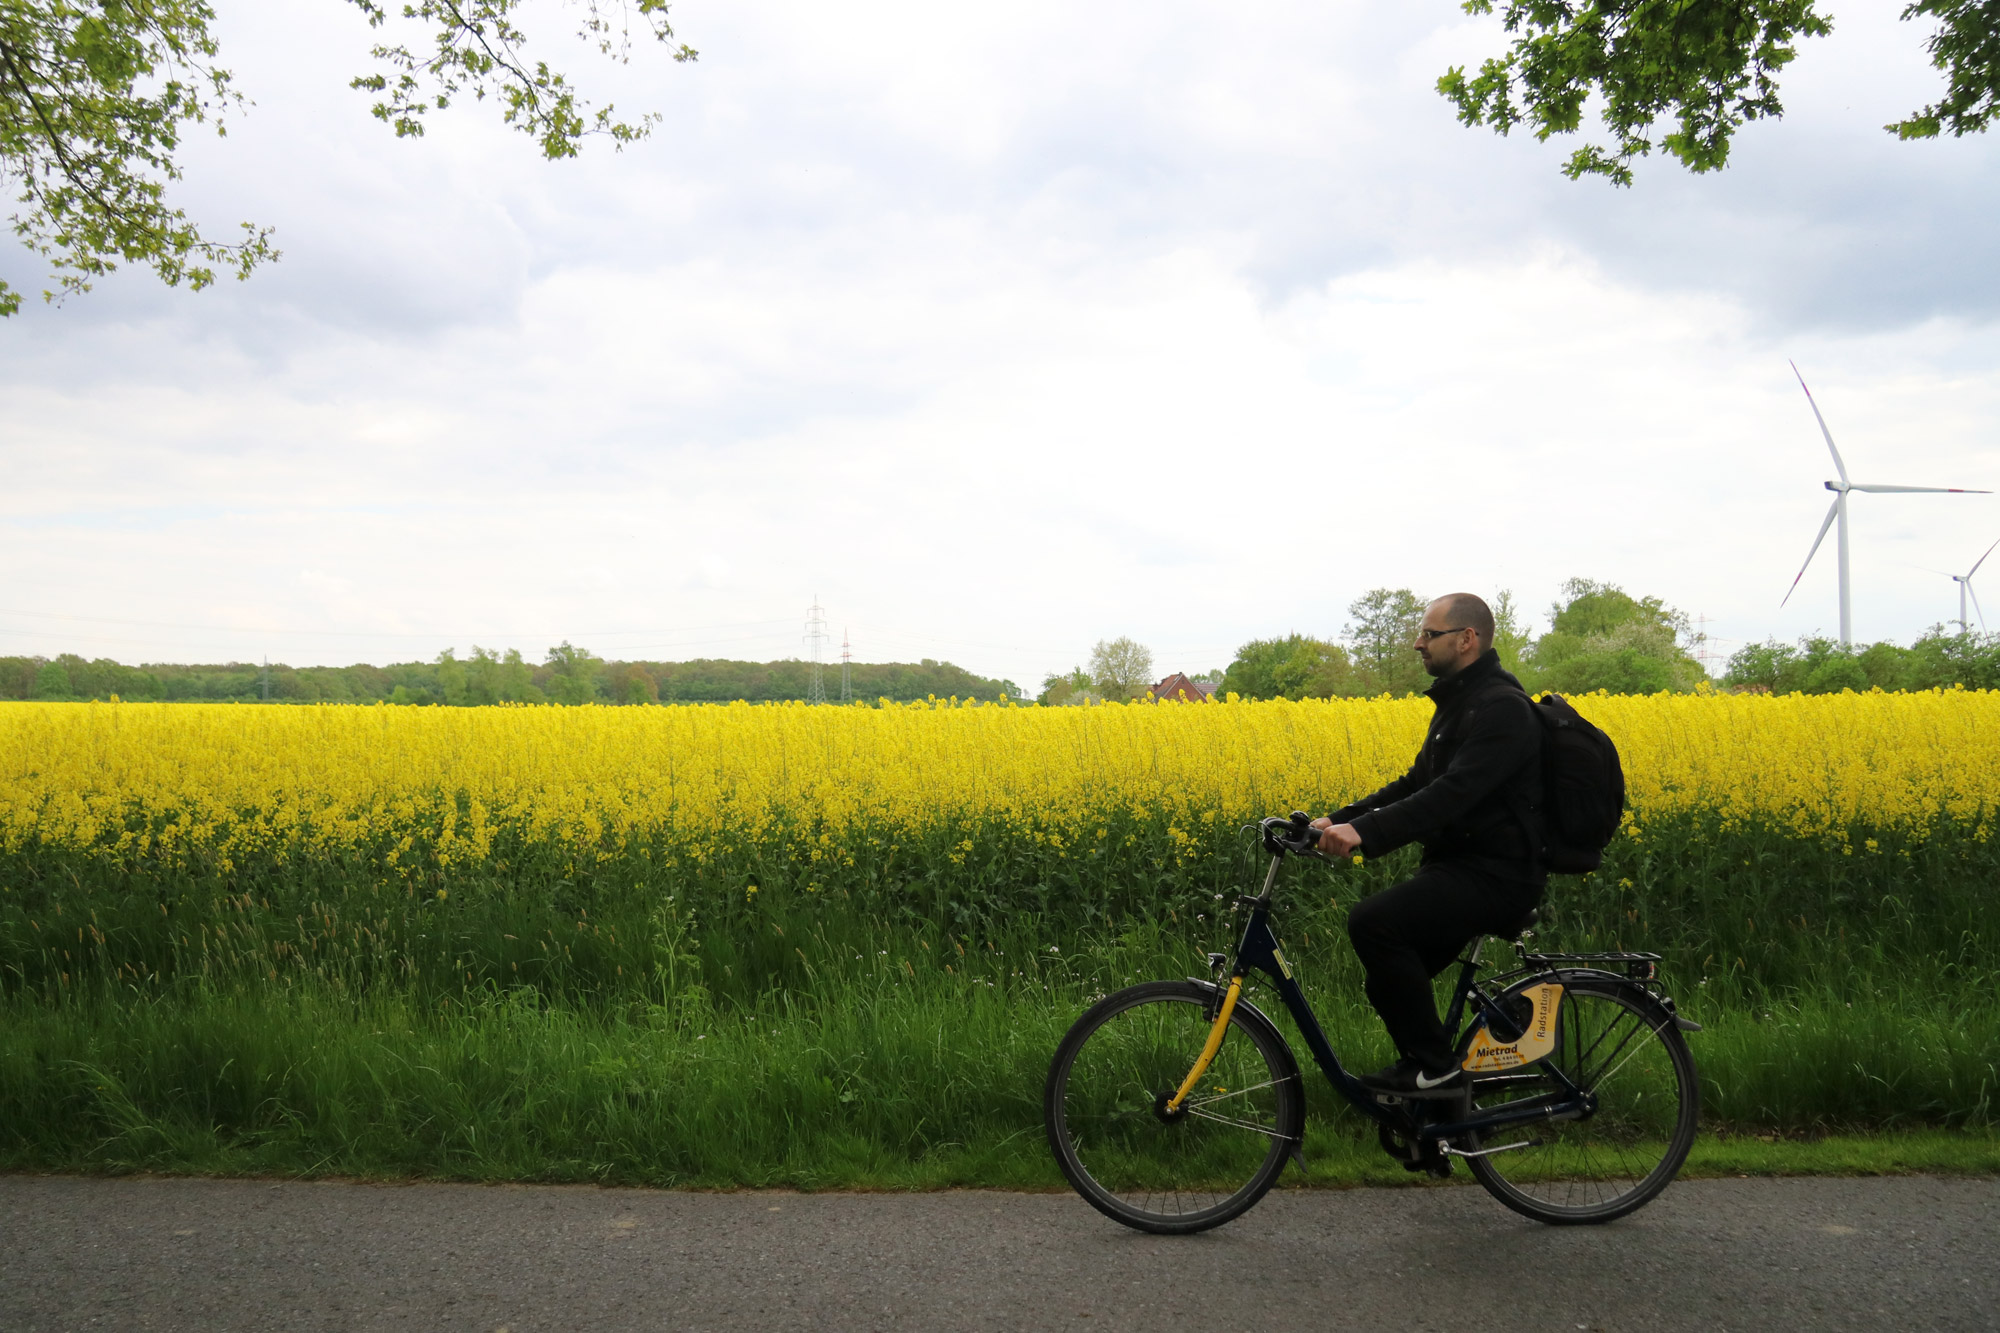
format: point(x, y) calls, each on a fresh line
point(1583, 789)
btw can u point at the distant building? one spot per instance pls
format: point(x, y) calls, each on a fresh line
point(1178, 686)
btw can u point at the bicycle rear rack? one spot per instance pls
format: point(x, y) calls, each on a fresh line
point(1638, 966)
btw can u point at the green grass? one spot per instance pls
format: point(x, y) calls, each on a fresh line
point(890, 1026)
point(908, 1081)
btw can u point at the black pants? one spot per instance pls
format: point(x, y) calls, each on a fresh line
point(1407, 934)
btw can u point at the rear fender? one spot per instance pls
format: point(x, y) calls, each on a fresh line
point(1662, 1006)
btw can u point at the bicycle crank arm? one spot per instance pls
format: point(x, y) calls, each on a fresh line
point(1450, 1151)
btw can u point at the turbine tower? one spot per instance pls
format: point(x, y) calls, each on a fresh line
point(1964, 582)
point(1838, 512)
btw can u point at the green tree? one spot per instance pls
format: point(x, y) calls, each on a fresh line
point(96, 95)
point(633, 684)
point(1294, 667)
point(1382, 629)
point(1769, 668)
point(1684, 75)
point(573, 678)
point(1121, 668)
point(17, 677)
point(493, 678)
point(1510, 637)
point(1940, 659)
point(451, 678)
point(1603, 638)
point(1840, 671)
point(1886, 666)
point(1072, 687)
point(52, 682)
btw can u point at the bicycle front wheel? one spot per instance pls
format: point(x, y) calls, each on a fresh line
point(1615, 1043)
point(1186, 1170)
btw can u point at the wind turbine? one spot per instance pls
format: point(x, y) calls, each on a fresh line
point(1840, 491)
point(1964, 582)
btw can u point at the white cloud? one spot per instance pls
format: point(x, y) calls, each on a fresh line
point(1001, 332)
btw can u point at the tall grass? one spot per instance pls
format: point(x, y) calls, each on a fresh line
point(609, 1029)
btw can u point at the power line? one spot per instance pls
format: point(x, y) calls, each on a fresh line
point(629, 648)
point(392, 633)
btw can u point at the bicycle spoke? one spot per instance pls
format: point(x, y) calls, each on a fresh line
point(1603, 1163)
point(1638, 1026)
point(1161, 1171)
point(1604, 1078)
point(1240, 1124)
point(1225, 1096)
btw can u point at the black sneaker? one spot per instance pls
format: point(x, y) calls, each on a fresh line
point(1389, 1075)
point(1409, 1078)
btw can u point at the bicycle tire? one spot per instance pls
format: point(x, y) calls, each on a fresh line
point(1614, 1040)
point(1103, 1105)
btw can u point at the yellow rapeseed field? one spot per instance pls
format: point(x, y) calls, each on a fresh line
point(162, 781)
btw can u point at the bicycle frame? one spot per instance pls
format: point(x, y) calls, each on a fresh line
point(1260, 951)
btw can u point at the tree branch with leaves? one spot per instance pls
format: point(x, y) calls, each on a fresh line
point(1683, 76)
point(476, 48)
point(96, 96)
point(94, 100)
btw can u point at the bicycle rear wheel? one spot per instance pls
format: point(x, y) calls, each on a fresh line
point(1615, 1043)
point(1105, 1109)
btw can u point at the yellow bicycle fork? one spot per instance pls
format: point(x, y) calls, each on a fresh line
point(1211, 1046)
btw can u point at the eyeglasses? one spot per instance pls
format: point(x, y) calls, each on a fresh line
point(1428, 634)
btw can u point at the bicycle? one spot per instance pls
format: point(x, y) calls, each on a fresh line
point(1173, 1106)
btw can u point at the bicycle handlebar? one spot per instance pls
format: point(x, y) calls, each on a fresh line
point(1291, 837)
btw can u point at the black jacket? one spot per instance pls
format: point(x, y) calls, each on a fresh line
point(1475, 790)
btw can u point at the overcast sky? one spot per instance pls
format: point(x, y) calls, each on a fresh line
point(1002, 330)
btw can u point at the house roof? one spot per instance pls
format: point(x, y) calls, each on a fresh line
point(1178, 686)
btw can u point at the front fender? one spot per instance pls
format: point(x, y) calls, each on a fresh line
point(1251, 1014)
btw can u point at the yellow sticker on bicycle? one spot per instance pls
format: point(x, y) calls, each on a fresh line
point(1487, 1055)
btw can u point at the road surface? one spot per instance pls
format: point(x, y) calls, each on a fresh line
point(1763, 1255)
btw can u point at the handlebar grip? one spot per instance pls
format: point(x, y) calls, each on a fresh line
point(1295, 835)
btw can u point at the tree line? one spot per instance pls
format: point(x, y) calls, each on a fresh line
point(566, 675)
point(1600, 637)
point(1940, 659)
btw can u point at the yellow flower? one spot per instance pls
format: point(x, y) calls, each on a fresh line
point(417, 790)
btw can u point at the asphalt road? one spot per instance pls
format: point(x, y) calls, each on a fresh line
point(1767, 1255)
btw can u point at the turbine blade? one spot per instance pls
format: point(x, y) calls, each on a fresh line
point(1831, 514)
point(1838, 465)
point(1982, 560)
point(1977, 607)
point(1914, 490)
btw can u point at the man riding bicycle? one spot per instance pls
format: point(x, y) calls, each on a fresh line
point(1473, 798)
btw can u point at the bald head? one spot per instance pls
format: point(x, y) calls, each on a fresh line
point(1463, 608)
